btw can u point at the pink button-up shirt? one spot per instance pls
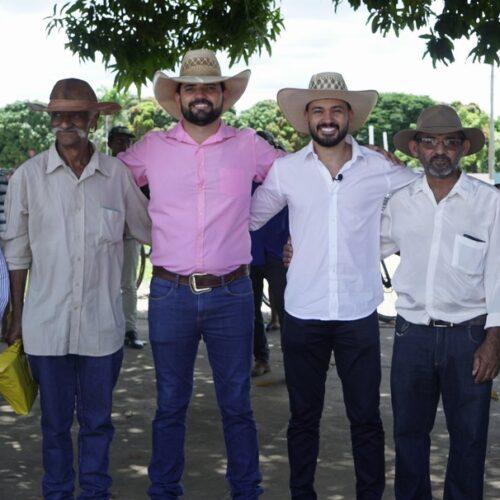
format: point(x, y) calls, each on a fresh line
point(200, 195)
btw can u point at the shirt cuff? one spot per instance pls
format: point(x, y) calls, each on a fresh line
point(493, 319)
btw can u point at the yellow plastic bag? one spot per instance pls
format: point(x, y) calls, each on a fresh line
point(16, 382)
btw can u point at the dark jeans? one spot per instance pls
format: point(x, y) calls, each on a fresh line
point(427, 363)
point(178, 319)
point(274, 272)
point(307, 347)
point(88, 383)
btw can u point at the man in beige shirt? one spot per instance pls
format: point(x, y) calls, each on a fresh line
point(66, 211)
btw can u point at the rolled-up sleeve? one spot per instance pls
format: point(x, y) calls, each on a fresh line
point(15, 238)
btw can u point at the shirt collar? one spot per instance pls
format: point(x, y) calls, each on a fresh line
point(178, 133)
point(463, 187)
point(55, 161)
point(357, 152)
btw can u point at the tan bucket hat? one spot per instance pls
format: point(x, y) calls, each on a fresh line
point(439, 119)
point(326, 85)
point(198, 66)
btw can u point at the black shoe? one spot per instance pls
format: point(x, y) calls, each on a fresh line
point(132, 341)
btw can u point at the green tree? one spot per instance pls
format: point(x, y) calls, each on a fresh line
point(21, 130)
point(147, 115)
point(137, 38)
point(471, 115)
point(393, 112)
point(266, 115)
point(479, 19)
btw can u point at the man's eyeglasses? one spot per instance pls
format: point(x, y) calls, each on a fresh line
point(452, 143)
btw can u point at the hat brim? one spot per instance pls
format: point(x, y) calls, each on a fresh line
point(293, 102)
point(165, 88)
point(106, 108)
point(474, 135)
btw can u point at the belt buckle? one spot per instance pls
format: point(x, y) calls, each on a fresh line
point(435, 324)
point(194, 287)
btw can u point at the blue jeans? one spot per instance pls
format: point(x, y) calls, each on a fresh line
point(177, 320)
point(88, 383)
point(427, 363)
point(307, 348)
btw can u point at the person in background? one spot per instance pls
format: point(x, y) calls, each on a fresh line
point(267, 264)
point(447, 336)
point(119, 139)
point(66, 211)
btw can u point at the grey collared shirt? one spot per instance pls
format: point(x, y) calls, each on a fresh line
point(69, 233)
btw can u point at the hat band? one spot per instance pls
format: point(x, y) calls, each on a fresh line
point(71, 105)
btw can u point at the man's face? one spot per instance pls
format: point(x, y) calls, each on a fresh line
point(328, 121)
point(200, 103)
point(119, 143)
point(71, 128)
point(439, 154)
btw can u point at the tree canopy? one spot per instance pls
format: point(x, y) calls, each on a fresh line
point(135, 39)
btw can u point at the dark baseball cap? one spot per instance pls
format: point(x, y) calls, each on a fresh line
point(120, 130)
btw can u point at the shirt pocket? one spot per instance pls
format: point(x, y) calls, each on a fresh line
point(112, 225)
point(468, 255)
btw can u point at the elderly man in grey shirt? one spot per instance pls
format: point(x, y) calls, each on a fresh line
point(66, 211)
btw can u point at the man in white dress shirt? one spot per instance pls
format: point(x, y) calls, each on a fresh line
point(447, 339)
point(334, 189)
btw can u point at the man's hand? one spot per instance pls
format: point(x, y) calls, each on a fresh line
point(287, 252)
point(14, 332)
point(487, 357)
point(386, 154)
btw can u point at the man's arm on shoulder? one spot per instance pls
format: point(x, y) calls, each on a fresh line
point(267, 200)
point(265, 155)
point(136, 159)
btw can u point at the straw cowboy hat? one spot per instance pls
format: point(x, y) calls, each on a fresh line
point(328, 85)
point(440, 119)
point(198, 66)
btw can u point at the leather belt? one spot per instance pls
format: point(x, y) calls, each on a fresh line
point(478, 320)
point(201, 282)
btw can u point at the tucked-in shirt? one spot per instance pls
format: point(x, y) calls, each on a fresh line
point(335, 229)
point(450, 251)
point(69, 233)
point(200, 195)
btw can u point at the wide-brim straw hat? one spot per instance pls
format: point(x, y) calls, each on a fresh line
point(440, 119)
point(198, 66)
point(74, 105)
point(328, 85)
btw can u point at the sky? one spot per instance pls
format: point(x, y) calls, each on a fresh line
point(315, 39)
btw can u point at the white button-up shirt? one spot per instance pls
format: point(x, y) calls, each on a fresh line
point(335, 229)
point(450, 251)
point(69, 233)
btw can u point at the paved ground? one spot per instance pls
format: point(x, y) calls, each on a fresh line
point(20, 468)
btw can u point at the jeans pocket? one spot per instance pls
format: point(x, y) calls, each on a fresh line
point(239, 288)
point(476, 334)
point(160, 289)
point(402, 327)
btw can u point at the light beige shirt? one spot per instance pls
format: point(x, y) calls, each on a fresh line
point(69, 233)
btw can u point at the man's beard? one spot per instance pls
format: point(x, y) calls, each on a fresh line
point(445, 169)
point(201, 117)
point(328, 141)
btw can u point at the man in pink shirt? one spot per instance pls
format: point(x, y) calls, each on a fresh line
point(200, 176)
